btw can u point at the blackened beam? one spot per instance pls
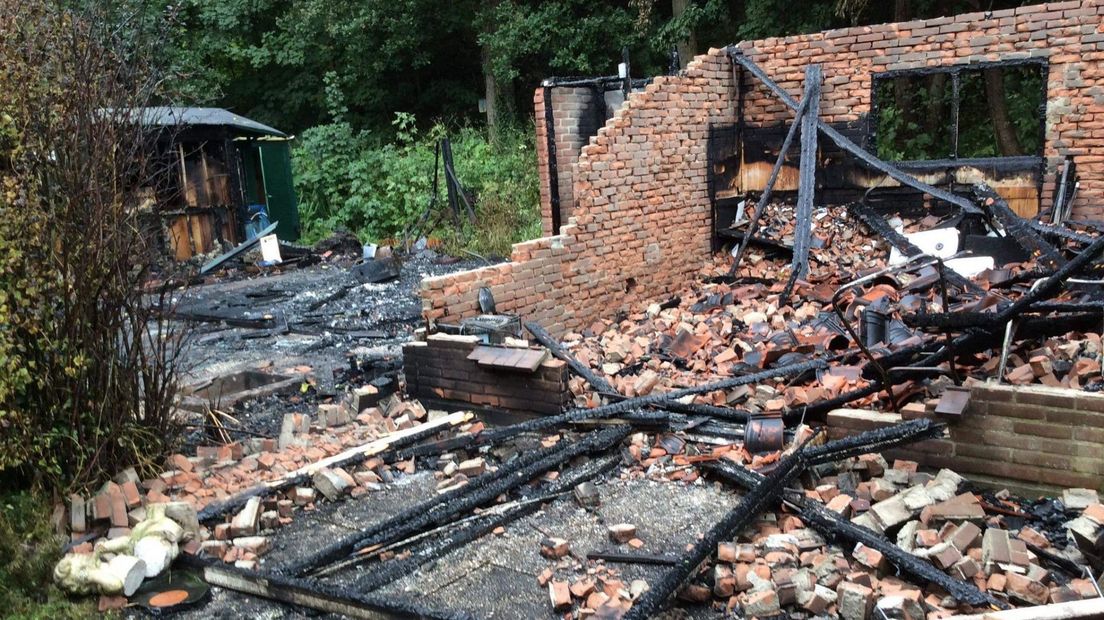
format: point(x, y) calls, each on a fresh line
point(880, 227)
point(1060, 232)
point(477, 492)
point(549, 342)
point(768, 190)
point(382, 530)
point(1024, 234)
point(632, 405)
point(313, 594)
point(462, 535)
point(606, 389)
point(763, 494)
point(652, 602)
point(806, 182)
point(831, 526)
point(844, 143)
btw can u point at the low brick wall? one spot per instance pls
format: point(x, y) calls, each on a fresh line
point(438, 369)
point(1043, 437)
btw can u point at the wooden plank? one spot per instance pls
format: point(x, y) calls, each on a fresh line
point(1090, 609)
point(533, 361)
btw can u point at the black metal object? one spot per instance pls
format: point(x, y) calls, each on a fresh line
point(831, 526)
point(806, 184)
point(846, 144)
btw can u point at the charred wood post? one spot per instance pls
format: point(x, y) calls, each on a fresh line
point(768, 190)
point(1060, 232)
point(542, 336)
point(437, 548)
point(768, 490)
point(831, 526)
point(844, 143)
point(806, 184)
point(441, 509)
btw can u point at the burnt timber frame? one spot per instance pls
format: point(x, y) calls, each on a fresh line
point(955, 71)
point(806, 186)
point(846, 144)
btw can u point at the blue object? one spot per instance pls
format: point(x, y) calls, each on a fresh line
point(258, 220)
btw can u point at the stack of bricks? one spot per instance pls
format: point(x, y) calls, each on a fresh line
point(641, 220)
point(1042, 437)
point(438, 371)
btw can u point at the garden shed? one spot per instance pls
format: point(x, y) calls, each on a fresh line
point(217, 176)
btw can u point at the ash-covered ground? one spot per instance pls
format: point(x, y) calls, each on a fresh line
point(314, 316)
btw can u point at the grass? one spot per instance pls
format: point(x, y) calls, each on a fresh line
point(28, 551)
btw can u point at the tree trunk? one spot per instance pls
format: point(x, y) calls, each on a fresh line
point(490, 86)
point(1008, 143)
point(687, 47)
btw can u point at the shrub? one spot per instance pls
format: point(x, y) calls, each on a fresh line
point(87, 371)
point(348, 179)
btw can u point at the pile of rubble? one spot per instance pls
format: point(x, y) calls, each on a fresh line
point(1021, 553)
point(240, 493)
point(731, 324)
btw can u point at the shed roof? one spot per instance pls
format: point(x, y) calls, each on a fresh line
point(172, 116)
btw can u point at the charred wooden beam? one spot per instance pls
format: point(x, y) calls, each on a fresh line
point(844, 143)
point(315, 595)
point(620, 557)
point(880, 227)
point(437, 548)
point(549, 342)
point(806, 183)
point(1018, 227)
point(477, 492)
point(768, 190)
point(831, 526)
point(606, 389)
point(1060, 232)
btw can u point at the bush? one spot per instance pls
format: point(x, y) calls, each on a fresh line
point(30, 549)
point(348, 179)
point(87, 372)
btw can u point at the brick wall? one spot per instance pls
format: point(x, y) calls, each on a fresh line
point(438, 369)
point(641, 221)
point(1068, 35)
point(1037, 435)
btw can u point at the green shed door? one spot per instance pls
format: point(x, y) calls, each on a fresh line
point(279, 192)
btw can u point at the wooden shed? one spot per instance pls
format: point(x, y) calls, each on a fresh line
point(216, 172)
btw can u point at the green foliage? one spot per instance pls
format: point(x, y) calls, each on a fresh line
point(348, 179)
point(30, 549)
point(86, 370)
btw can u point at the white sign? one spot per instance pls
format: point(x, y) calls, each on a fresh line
point(270, 249)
